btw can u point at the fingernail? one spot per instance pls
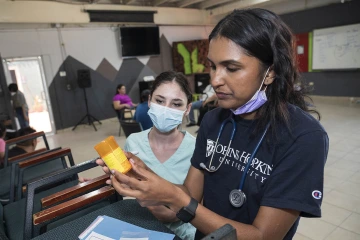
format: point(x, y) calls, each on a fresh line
point(132, 161)
point(113, 171)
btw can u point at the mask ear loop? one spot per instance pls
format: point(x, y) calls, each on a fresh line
point(262, 83)
point(187, 111)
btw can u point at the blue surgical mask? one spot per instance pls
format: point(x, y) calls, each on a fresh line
point(255, 102)
point(165, 119)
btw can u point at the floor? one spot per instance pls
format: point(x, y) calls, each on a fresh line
point(341, 203)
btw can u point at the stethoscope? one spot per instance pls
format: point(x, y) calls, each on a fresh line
point(237, 197)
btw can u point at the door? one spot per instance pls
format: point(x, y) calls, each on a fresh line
point(29, 75)
point(6, 110)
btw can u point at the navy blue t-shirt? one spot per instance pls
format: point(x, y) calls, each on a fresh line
point(287, 172)
point(141, 115)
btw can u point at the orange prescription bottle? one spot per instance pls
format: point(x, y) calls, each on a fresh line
point(118, 152)
point(113, 159)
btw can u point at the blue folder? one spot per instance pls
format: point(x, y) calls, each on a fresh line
point(115, 229)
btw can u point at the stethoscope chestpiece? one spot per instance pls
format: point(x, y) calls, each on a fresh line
point(237, 198)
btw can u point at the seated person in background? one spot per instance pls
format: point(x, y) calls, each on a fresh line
point(121, 100)
point(164, 148)
point(2, 143)
point(141, 113)
point(10, 130)
point(208, 96)
point(209, 104)
point(23, 147)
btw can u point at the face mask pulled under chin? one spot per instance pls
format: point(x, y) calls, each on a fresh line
point(12, 93)
point(255, 102)
point(165, 119)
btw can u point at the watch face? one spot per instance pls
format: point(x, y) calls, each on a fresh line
point(184, 215)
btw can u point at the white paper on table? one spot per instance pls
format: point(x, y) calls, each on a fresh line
point(95, 236)
point(91, 227)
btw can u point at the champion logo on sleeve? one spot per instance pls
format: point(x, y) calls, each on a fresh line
point(316, 194)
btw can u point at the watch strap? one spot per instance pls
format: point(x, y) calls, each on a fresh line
point(187, 213)
point(192, 206)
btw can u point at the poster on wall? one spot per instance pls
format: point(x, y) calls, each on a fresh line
point(190, 57)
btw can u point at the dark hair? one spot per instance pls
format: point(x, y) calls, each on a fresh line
point(170, 76)
point(145, 95)
point(262, 34)
point(2, 129)
point(13, 87)
point(25, 131)
point(119, 87)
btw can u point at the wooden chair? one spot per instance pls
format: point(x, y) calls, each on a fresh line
point(130, 126)
point(2, 227)
point(122, 115)
point(42, 165)
point(89, 196)
point(10, 174)
point(73, 198)
point(14, 141)
point(77, 190)
point(14, 213)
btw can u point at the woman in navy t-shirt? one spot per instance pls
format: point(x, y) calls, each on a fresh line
point(253, 72)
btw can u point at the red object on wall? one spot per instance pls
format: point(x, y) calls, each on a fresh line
point(302, 51)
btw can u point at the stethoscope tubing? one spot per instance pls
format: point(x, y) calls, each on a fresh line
point(252, 157)
point(213, 169)
point(229, 119)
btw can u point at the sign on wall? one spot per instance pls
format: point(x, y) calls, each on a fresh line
point(190, 57)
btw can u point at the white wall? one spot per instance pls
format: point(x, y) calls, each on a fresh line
point(88, 45)
point(30, 43)
point(185, 33)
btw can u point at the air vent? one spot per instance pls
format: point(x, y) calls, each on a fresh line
point(121, 16)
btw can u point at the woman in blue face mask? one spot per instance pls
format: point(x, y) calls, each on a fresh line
point(169, 102)
point(259, 158)
point(164, 148)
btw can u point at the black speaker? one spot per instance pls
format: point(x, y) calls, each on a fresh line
point(201, 81)
point(145, 85)
point(84, 78)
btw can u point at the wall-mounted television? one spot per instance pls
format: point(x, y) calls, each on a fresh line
point(139, 41)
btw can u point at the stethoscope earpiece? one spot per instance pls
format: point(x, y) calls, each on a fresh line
point(202, 165)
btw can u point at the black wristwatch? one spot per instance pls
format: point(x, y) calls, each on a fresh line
point(186, 214)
